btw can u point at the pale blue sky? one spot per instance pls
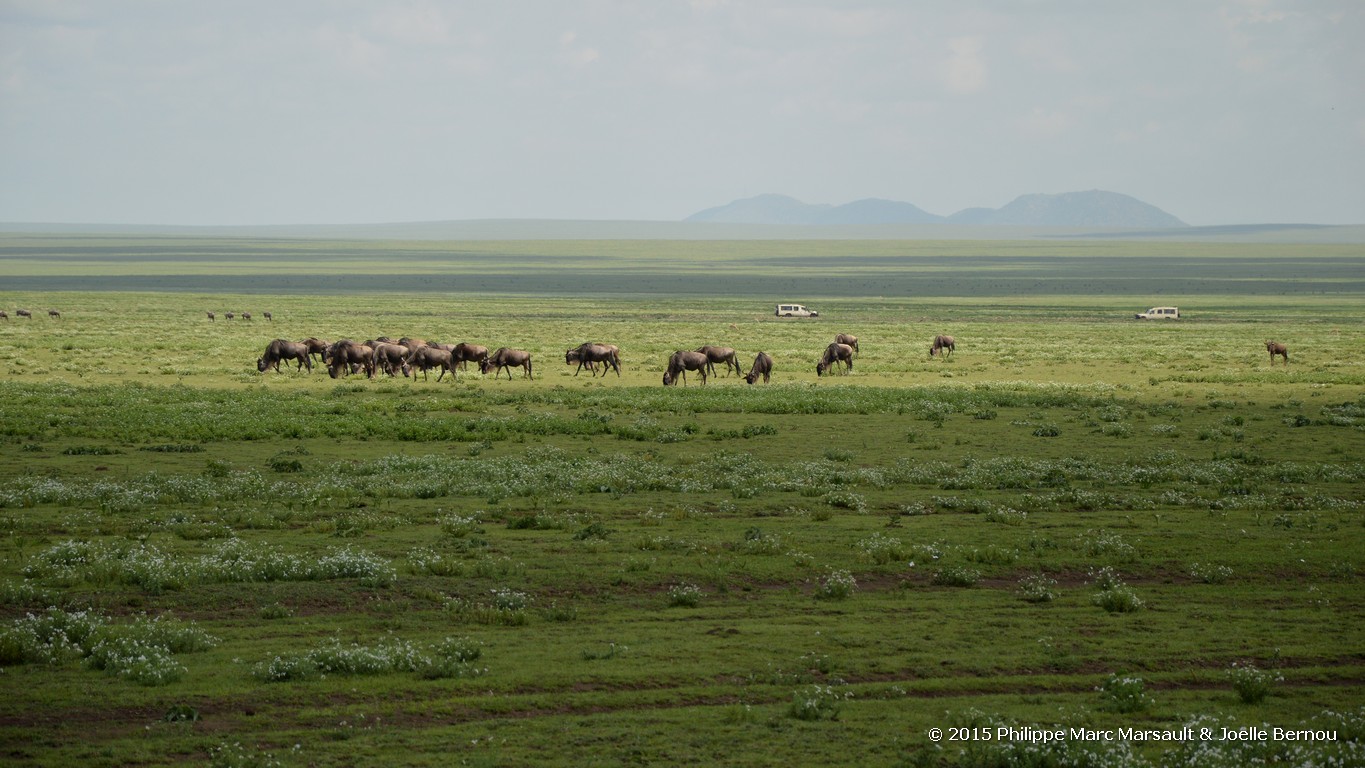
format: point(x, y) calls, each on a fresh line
point(349, 111)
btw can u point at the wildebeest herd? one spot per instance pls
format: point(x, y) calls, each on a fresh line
point(409, 356)
point(52, 313)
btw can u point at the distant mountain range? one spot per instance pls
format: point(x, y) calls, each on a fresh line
point(1095, 208)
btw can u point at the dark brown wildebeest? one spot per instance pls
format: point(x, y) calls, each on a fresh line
point(721, 355)
point(210, 314)
point(4, 315)
point(591, 354)
point(426, 357)
point(411, 343)
point(763, 366)
point(268, 316)
point(54, 314)
point(942, 343)
point(228, 315)
point(681, 362)
point(391, 358)
point(1276, 348)
point(509, 359)
point(346, 357)
point(282, 350)
point(246, 315)
point(465, 353)
point(849, 339)
point(24, 313)
point(317, 347)
point(834, 354)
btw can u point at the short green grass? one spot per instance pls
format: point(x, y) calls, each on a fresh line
point(575, 571)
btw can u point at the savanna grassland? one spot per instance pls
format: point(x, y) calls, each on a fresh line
point(1076, 520)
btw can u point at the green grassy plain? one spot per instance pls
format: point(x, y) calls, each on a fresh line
point(604, 571)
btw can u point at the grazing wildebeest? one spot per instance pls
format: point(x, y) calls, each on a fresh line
point(24, 313)
point(246, 315)
point(268, 316)
point(942, 343)
point(1276, 348)
point(52, 313)
point(228, 315)
point(427, 357)
point(4, 315)
point(346, 357)
point(282, 350)
point(465, 353)
point(509, 359)
point(720, 355)
point(391, 358)
point(681, 362)
point(849, 339)
point(834, 354)
point(763, 366)
point(210, 314)
point(591, 354)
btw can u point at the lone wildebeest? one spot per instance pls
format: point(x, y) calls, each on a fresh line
point(763, 366)
point(425, 358)
point(24, 313)
point(834, 354)
point(282, 350)
point(591, 354)
point(721, 355)
point(509, 359)
point(849, 339)
point(681, 362)
point(1276, 348)
point(942, 343)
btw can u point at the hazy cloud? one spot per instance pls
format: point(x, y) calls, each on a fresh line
point(342, 110)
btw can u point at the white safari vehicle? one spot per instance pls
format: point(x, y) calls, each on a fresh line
point(795, 310)
point(1159, 313)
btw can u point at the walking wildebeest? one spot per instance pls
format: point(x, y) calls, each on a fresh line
point(834, 354)
point(465, 353)
point(246, 315)
point(317, 347)
point(849, 339)
point(268, 316)
point(509, 359)
point(391, 358)
point(4, 315)
point(24, 313)
point(763, 366)
point(940, 344)
point(590, 354)
point(721, 355)
point(228, 315)
point(210, 314)
point(282, 350)
point(54, 314)
point(1276, 348)
point(681, 362)
point(427, 357)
